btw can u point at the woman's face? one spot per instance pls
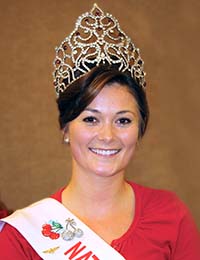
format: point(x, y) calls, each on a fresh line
point(103, 137)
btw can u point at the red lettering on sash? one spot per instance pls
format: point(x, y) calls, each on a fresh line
point(74, 250)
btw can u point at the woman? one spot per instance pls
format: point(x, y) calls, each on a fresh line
point(99, 80)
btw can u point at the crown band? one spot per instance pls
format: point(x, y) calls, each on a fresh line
point(97, 39)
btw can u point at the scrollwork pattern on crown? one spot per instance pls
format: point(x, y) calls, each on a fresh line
point(97, 39)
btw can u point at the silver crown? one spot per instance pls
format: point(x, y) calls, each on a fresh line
point(97, 39)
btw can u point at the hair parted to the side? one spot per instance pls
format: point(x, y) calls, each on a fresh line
point(81, 93)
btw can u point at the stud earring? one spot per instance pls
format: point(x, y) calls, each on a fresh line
point(66, 140)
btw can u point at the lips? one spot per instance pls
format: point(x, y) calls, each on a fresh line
point(105, 152)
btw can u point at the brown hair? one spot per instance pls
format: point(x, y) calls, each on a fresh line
point(80, 94)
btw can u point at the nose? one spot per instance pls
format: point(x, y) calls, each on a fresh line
point(106, 132)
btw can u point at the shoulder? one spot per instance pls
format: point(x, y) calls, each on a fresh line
point(14, 245)
point(165, 214)
point(158, 198)
point(160, 205)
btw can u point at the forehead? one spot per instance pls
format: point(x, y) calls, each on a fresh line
point(115, 95)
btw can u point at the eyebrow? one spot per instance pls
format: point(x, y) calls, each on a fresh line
point(118, 113)
point(92, 110)
point(125, 111)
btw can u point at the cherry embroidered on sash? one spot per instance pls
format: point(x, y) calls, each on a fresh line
point(71, 230)
point(54, 230)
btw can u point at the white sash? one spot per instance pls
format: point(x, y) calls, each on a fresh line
point(55, 233)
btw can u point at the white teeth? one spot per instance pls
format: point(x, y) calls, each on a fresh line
point(104, 152)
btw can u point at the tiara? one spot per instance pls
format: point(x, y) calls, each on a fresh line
point(97, 39)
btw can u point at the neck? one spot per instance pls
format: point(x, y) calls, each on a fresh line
point(94, 194)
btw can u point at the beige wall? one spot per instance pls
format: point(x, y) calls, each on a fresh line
point(33, 162)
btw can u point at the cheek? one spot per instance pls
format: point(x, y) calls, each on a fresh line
point(79, 135)
point(130, 138)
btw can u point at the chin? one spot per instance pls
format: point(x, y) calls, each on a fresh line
point(107, 173)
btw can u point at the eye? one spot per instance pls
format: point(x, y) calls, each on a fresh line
point(124, 121)
point(90, 119)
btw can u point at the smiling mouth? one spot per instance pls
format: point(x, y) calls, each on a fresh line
point(105, 152)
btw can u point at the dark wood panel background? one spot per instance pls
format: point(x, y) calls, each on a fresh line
point(33, 161)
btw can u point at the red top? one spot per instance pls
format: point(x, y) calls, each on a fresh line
point(162, 229)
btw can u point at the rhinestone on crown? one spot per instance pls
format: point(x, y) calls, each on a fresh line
point(97, 39)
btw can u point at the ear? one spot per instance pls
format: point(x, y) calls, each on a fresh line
point(64, 130)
